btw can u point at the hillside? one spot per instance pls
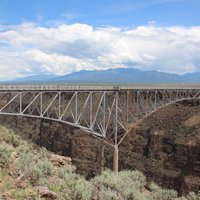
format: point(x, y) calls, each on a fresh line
point(30, 172)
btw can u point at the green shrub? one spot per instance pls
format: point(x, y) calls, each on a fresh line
point(75, 187)
point(4, 172)
point(158, 193)
point(7, 184)
point(24, 161)
point(66, 169)
point(46, 167)
point(164, 194)
point(108, 194)
point(36, 170)
point(5, 154)
point(41, 170)
point(7, 136)
point(24, 148)
point(134, 179)
point(43, 153)
point(193, 196)
point(55, 187)
point(107, 180)
point(23, 194)
point(127, 183)
point(181, 198)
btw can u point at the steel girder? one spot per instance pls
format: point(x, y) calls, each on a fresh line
point(108, 115)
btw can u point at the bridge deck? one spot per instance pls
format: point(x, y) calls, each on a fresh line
point(63, 87)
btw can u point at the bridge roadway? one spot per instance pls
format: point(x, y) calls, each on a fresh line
point(65, 87)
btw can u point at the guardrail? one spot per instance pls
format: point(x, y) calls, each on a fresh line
point(53, 87)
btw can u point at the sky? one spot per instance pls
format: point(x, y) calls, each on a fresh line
point(63, 36)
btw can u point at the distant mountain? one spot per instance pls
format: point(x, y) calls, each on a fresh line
point(192, 77)
point(113, 76)
point(43, 78)
point(120, 76)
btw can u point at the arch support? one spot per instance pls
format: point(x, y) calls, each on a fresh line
point(116, 159)
point(108, 114)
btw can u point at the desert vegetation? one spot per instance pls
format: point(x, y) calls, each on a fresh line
point(30, 172)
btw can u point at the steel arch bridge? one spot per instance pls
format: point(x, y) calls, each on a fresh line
point(107, 112)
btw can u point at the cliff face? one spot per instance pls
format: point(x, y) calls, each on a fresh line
point(165, 146)
point(60, 138)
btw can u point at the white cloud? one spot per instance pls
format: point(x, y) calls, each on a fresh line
point(30, 49)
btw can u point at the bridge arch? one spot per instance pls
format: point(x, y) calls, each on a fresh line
point(108, 114)
point(152, 112)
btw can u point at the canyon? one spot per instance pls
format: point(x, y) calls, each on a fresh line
point(165, 146)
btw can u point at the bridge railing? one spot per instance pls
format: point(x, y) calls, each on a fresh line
point(64, 87)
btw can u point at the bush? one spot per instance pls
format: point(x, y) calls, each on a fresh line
point(36, 167)
point(41, 170)
point(5, 154)
point(66, 169)
point(75, 187)
point(158, 193)
point(43, 153)
point(24, 148)
point(108, 194)
point(9, 137)
point(193, 196)
point(55, 187)
point(24, 161)
point(23, 194)
point(134, 179)
point(127, 184)
point(164, 194)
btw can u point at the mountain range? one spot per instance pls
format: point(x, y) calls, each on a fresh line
point(112, 76)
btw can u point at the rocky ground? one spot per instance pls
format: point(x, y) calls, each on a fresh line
point(165, 146)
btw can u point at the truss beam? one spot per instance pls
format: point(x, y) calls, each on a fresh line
point(107, 114)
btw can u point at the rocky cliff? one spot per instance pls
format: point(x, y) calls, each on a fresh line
point(166, 147)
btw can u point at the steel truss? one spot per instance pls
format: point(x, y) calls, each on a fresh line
point(108, 115)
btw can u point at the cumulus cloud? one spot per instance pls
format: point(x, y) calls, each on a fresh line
point(31, 49)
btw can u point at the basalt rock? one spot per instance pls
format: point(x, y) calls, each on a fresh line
point(166, 147)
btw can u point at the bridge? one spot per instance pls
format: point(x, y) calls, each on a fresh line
point(106, 112)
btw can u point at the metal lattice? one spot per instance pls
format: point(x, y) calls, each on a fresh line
point(107, 114)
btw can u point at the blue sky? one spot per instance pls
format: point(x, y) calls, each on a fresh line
point(102, 12)
point(62, 36)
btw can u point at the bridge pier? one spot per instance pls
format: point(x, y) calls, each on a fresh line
point(116, 121)
point(116, 159)
point(102, 158)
